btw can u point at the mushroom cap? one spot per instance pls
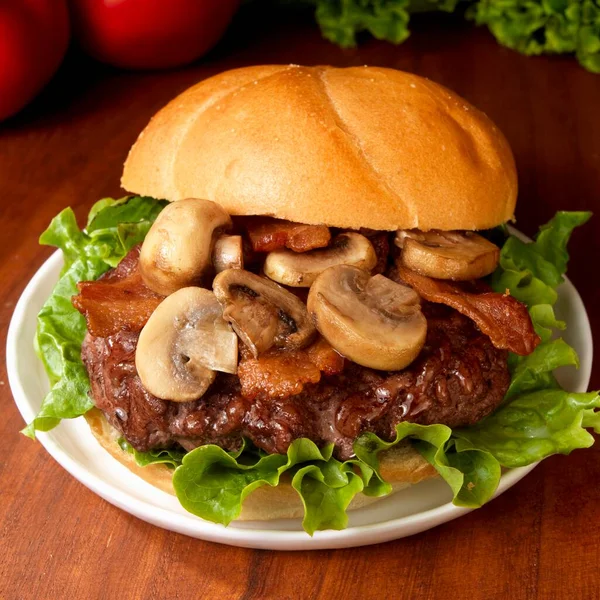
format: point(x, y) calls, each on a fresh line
point(261, 312)
point(300, 269)
point(456, 255)
point(373, 321)
point(177, 251)
point(183, 343)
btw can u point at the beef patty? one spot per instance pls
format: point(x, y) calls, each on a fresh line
point(458, 378)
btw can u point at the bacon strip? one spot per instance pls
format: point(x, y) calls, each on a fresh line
point(325, 357)
point(118, 301)
point(283, 373)
point(267, 234)
point(501, 317)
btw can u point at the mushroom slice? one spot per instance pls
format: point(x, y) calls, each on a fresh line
point(301, 269)
point(373, 321)
point(228, 253)
point(182, 345)
point(447, 254)
point(178, 248)
point(261, 312)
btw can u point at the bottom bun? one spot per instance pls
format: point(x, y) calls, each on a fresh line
point(401, 466)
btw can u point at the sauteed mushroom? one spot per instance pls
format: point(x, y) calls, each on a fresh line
point(373, 321)
point(178, 248)
point(301, 269)
point(182, 345)
point(228, 253)
point(261, 312)
point(447, 254)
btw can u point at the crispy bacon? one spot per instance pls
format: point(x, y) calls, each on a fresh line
point(118, 301)
point(325, 357)
point(283, 373)
point(267, 234)
point(277, 373)
point(501, 317)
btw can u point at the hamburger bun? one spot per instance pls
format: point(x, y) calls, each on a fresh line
point(355, 147)
point(402, 466)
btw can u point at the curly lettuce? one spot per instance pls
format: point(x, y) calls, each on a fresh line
point(531, 27)
point(537, 418)
point(588, 41)
point(171, 457)
point(536, 27)
point(213, 483)
point(341, 21)
point(113, 228)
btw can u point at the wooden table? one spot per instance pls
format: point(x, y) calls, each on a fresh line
point(541, 539)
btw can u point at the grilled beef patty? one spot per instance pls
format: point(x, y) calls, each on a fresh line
point(458, 378)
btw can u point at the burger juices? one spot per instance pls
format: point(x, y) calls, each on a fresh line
point(375, 342)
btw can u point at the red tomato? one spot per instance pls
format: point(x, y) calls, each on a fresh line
point(34, 35)
point(150, 34)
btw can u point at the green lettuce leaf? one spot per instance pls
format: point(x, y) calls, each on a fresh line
point(588, 40)
point(341, 20)
point(473, 475)
point(544, 26)
point(114, 227)
point(535, 425)
point(213, 483)
point(545, 321)
point(326, 490)
point(552, 239)
point(531, 27)
point(60, 331)
point(537, 418)
point(172, 457)
point(534, 372)
point(531, 272)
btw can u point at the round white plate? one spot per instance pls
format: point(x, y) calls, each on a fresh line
point(72, 445)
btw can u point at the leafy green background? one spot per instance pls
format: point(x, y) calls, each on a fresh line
point(537, 418)
point(529, 26)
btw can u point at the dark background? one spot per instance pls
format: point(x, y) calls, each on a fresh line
point(540, 539)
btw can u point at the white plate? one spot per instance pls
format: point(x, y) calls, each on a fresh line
point(72, 445)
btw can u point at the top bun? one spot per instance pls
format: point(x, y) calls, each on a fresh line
point(357, 147)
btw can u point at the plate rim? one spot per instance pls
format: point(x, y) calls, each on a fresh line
point(260, 538)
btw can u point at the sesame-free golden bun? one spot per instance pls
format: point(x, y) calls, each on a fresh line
point(401, 466)
point(354, 147)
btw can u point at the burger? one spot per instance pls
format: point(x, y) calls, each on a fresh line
point(311, 300)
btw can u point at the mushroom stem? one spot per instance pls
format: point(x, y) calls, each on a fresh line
point(228, 253)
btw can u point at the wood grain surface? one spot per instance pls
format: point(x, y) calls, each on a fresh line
point(541, 539)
